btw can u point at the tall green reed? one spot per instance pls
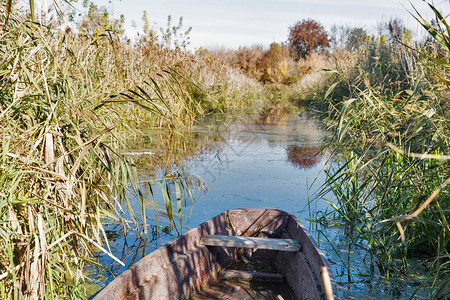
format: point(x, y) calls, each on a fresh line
point(392, 183)
point(61, 171)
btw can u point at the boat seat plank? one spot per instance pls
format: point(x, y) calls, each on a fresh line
point(250, 276)
point(251, 242)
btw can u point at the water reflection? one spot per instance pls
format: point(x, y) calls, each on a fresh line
point(159, 152)
point(244, 161)
point(303, 157)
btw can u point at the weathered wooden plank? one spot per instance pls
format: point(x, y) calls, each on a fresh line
point(251, 242)
point(251, 276)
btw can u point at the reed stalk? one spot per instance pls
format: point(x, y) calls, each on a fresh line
point(68, 103)
point(391, 136)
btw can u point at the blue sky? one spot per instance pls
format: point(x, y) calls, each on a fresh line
point(234, 23)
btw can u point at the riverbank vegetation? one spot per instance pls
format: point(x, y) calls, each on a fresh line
point(70, 98)
point(391, 136)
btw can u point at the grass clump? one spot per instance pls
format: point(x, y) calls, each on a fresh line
point(68, 102)
point(391, 135)
point(59, 172)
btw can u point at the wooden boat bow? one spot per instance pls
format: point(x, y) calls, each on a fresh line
point(181, 268)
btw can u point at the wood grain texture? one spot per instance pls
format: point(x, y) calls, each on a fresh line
point(251, 242)
point(251, 276)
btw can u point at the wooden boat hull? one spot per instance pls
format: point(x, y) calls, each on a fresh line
point(182, 267)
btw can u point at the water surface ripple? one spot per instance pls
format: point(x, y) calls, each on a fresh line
point(251, 162)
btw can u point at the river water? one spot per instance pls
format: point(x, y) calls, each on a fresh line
point(243, 162)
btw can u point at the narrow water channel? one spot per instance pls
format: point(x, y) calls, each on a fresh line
point(259, 164)
point(245, 162)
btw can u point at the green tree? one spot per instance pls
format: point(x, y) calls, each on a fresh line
point(346, 37)
point(356, 38)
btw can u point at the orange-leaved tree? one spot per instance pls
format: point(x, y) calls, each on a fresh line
point(307, 36)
